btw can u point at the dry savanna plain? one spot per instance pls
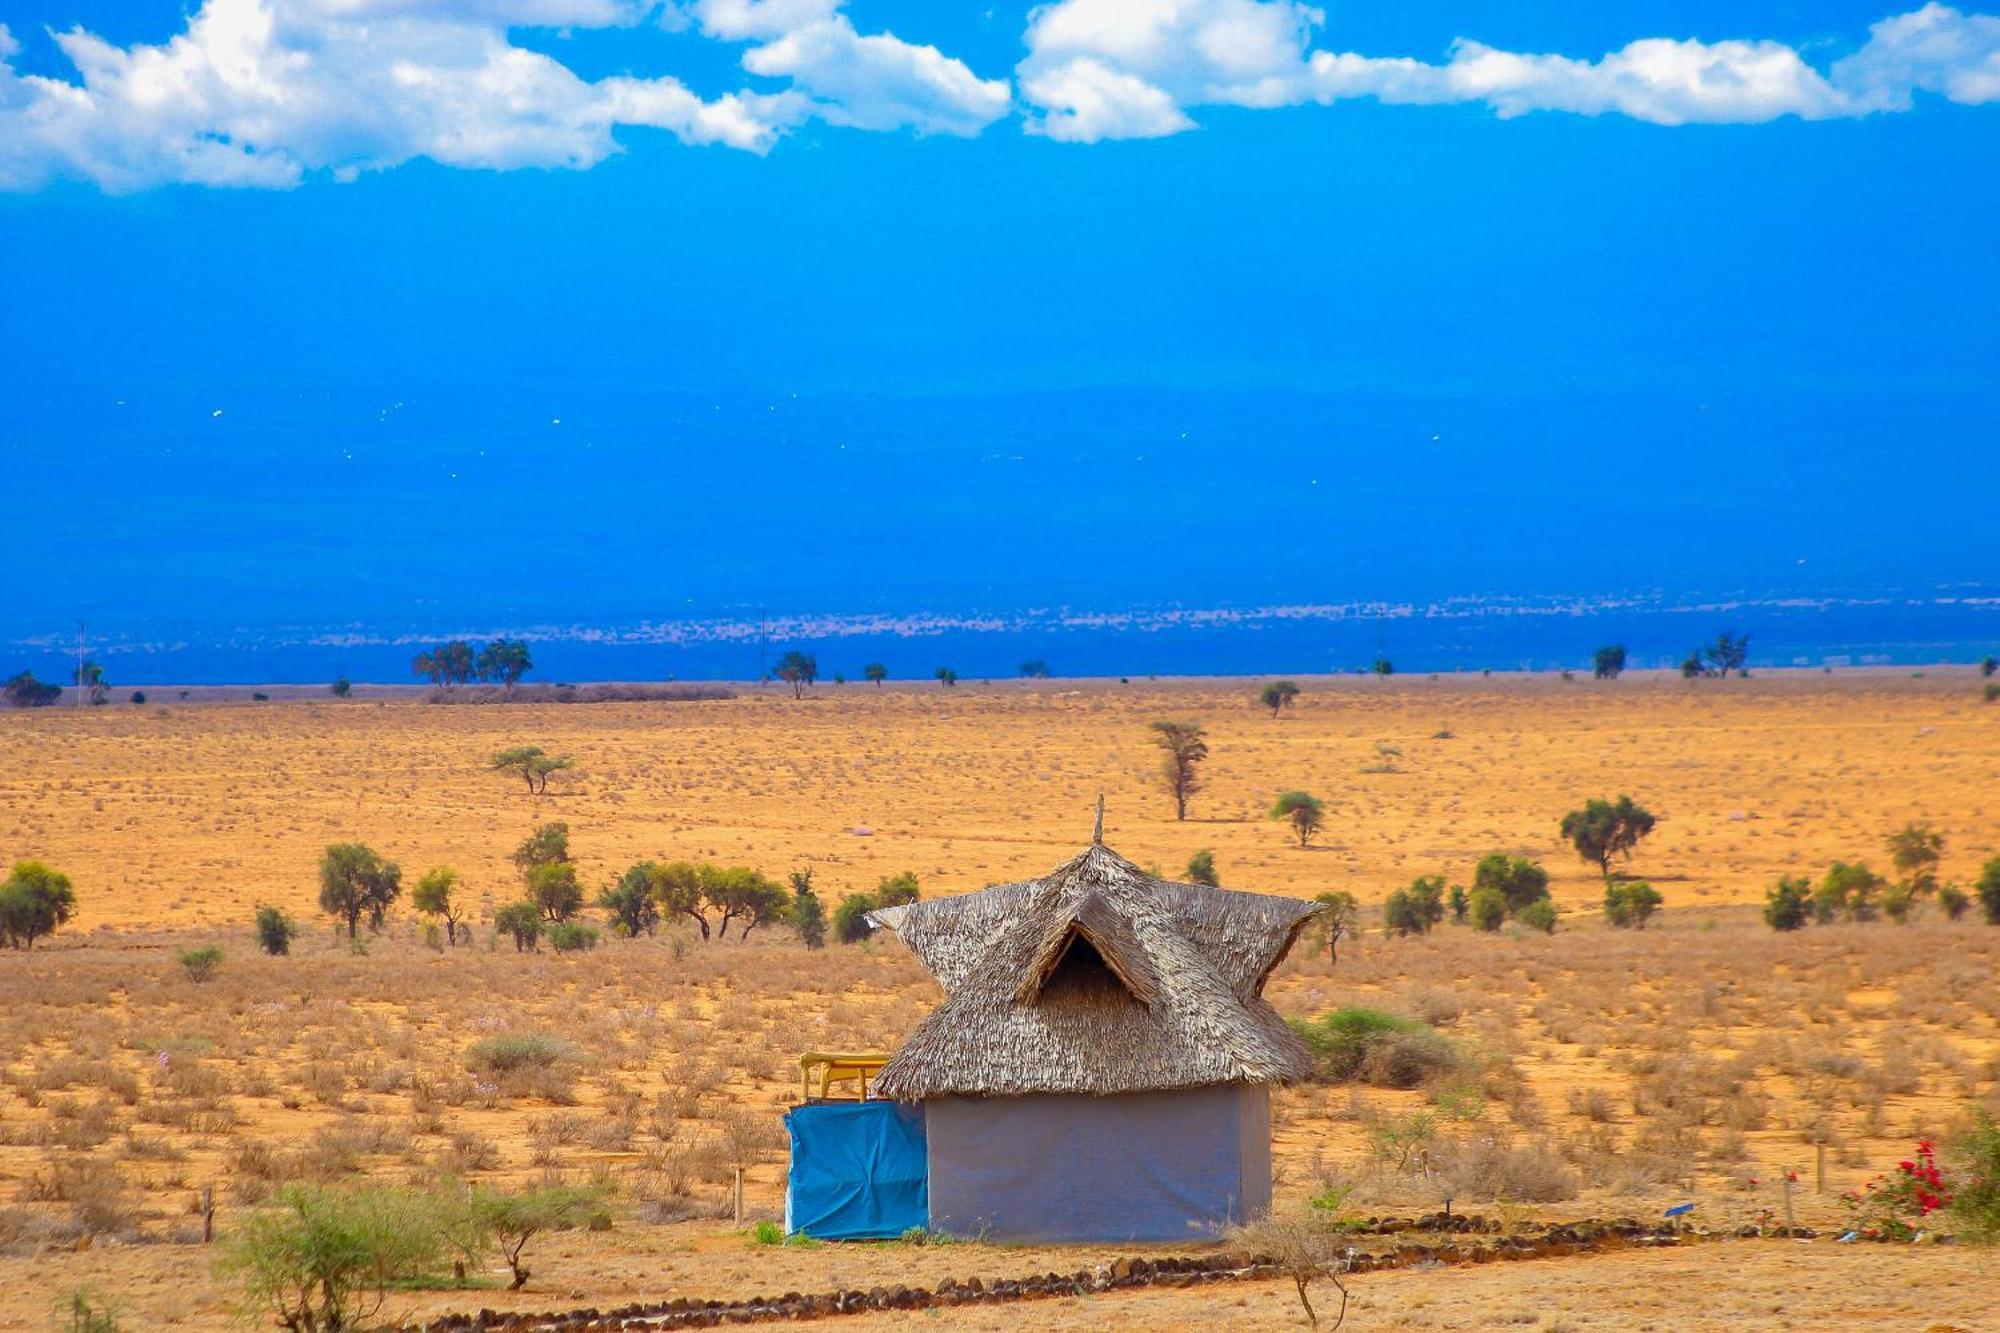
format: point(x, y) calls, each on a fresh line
point(1601, 1072)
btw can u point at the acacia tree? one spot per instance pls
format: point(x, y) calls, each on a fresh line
point(797, 670)
point(1729, 652)
point(353, 880)
point(1607, 662)
point(511, 1219)
point(523, 921)
point(630, 902)
point(1278, 696)
point(435, 894)
point(1337, 917)
point(35, 899)
point(532, 763)
point(677, 887)
point(1604, 829)
point(741, 894)
point(547, 845)
point(1304, 812)
point(946, 677)
point(22, 690)
point(1916, 850)
point(1185, 746)
point(876, 672)
point(90, 678)
point(554, 888)
point(505, 661)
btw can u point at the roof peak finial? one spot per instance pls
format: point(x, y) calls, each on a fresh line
point(1097, 834)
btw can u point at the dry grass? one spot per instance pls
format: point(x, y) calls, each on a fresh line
point(1597, 1070)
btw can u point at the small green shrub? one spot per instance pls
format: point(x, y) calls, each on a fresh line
point(325, 1259)
point(86, 1312)
point(1486, 908)
point(1974, 1154)
point(523, 922)
point(767, 1232)
point(1631, 906)
point(573, 937)
point(1539, 915)
point(1358, 1044)
point(507, 1052)
point(1789, 904)
point(202, 964)
point(1953, 901)
point(275, 931)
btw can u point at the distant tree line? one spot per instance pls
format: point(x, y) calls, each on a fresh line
point(502, 662)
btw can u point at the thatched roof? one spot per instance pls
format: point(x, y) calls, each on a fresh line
point(1097, 978)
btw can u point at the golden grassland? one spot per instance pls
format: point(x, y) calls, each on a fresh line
point(1603, 1071)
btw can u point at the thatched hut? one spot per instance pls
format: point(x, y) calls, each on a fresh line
point(1101, 1066)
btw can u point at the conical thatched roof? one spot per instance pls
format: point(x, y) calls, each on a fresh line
point(1100, 979)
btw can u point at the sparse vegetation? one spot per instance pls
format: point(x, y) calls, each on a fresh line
point(1185, 749)
point(35, 900)
point(1630, 904)
point(1604, 829)
point(1278, 696)
point(22, 690)
point(798, 670)
point(533, 764)
point(1414, 910)
point(201, 964)
point(322, 1260)
point(1303, 811)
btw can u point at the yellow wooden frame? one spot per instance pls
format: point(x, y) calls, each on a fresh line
point(837, 1067)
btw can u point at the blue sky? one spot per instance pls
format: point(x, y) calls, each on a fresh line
point(359, 311)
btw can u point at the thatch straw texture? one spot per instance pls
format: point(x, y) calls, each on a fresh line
point(1097, 979)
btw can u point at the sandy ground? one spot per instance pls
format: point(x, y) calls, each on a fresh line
point(1699, 1060)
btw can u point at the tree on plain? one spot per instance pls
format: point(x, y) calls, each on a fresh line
point(1383, 667)
point(1989, 664)
point(35, 899)
point(1336, 920)
point(22, 690)
point(1185, 747)
point(1729, 652)
point(547, 845)
point(677, 887)
point(1789, 904)
point(875, 672)
point(1604, 829)
point(504, 661)
point(1987, 890)
point(532, 763)
point(1278, 696)
point(553, 887)
point(946, 677)
point(1304, 812)
point(797, 670)
point(523, 921)
point(807, 912)
point(1607, 662)
point(1035, 669)
point(354, 881)
point(436, 894)
point(275, 931)
point(1916, 850)
point(742, 894)
point(1630, 904)
point(630, 903)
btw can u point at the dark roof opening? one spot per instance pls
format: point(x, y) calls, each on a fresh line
point(1083, 974)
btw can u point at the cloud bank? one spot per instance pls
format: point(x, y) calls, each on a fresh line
point(269, 92)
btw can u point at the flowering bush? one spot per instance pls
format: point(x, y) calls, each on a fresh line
point(1897, 1207)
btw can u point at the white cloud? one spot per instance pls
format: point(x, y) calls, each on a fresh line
point(1102, 69)
point(263, 92)
point(266, 92)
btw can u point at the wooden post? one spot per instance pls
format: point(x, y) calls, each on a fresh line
point(207, 1213)
point(1819, 1173)
point(1791, 1219)
point(739, 1196)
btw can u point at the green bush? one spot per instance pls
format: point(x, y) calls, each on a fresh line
point(202, 964)
point(1538, 915)
point(1953, 900)
point(275, 931)
point(507, 1052)
point(1987, 890)
point(1518, 880)
point(318, 1259)
point(509, 1219)
point(850, 917)
point(1974, 1155)
point(1376, 1047)
point(1201, 869)
point(34, 900)
point(1486, 908)
point(523, 921)
point(1789, 904)
point(1631, 905)
point(573, 937)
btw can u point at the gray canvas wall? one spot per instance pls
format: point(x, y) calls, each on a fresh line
point(1151, 1166)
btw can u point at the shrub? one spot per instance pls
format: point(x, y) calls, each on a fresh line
point(573, 937)
point(1494, 1168)
point(1201, 869)
point(523, 921)
point(1991, 691)
point(202, 964)
point(1376, 1047)
point(1518, 880)
point(1974, 1153)
point(341, 687)
point(323, 1259)
point(850, 917)
point(1789, 904)
point(35, 899)
point(1988, 665)
point(275, 931)
point(1413, 911)
point(24, 691)
point(510, 1219)
point(1898, 1206)
point(1304, 811)
point(1846, 891)
point(1278, 696)
point(138, 696)
point(1486, 907)
point(1988, 891)
point(1539, 915)
point(555, 889)
point(808, 913)
point(1954, 901)
point(1631, 905)
point(354, 881)
point(507, 1052)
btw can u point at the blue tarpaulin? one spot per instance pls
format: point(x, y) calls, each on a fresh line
point(858, 1170)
